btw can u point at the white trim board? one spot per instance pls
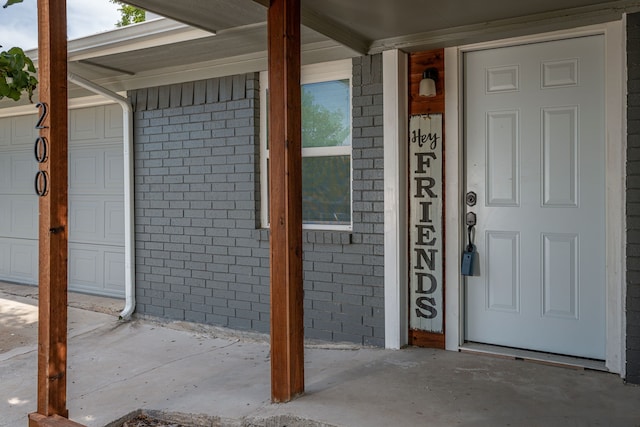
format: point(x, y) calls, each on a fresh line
point(395, 106)
point(84, 102)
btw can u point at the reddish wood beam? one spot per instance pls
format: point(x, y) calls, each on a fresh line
point(52, 421)
point(426, 339)
point(285, 192)
point(418, 62)
point(51, 183)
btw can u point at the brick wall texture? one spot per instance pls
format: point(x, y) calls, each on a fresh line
point(633, 199)
point(201, 255)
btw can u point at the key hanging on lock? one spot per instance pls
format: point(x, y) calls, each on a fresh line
point(468, 255)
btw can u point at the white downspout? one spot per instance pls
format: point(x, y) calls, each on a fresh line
point(127, 124)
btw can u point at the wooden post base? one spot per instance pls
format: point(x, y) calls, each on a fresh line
point(39, 420)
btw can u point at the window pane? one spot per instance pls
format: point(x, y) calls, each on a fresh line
point(325, 114)
point(326, 190)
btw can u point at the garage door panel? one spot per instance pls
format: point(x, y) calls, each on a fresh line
point(19, 217)
point(85, 265)
point(5, 257)
point(5, 172)
point(85, 220)
point(23, 170)
point(5, 217)
point(86, 124)
point(95, 170)
point(24, 217)
point(113, 121)
point(85, 168)
point(96, 220)
point(17, 169)
point(96, 269)
point(24, 261)
point(5, 132)
point(23, 131)
point(114, 221)
point(113, 169)
point(19, 260)
point(114, 270)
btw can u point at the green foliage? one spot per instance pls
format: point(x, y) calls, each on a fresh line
point(128, 14)
point(17, 74)
point(10, 2)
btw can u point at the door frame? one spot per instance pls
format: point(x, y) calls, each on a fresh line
point(615, 157)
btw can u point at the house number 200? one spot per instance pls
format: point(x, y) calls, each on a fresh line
point(40, 150)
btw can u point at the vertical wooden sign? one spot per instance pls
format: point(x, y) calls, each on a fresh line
point(425, 222)
point(51, 187)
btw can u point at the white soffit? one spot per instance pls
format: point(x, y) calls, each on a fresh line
point(375, 25)
point(142, 54)
point(210, 15)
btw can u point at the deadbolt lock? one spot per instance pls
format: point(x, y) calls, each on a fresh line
point(471, 198)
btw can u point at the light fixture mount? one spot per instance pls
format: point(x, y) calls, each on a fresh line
point(428, 82)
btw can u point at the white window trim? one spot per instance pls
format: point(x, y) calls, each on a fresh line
point(336, 70)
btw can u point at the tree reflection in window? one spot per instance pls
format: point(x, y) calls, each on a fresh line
point(326, 132)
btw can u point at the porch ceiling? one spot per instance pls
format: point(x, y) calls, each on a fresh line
point(375, 25)
point(232, 33)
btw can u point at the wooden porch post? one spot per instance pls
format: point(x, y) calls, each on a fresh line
point(285, 192)
point(51, 185)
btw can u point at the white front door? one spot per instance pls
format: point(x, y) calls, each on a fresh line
point(534, 141)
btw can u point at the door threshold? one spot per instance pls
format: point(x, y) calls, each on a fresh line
point(533, 356)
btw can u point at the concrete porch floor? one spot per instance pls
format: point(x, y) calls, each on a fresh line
point(118, 367)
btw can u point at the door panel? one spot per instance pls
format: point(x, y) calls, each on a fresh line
point(503, 164)
point(534, 147)
point(503, 271)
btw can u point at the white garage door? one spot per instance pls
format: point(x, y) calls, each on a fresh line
point(96, 207)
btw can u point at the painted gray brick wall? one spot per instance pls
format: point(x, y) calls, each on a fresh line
point(201, 255)
point(197, 198)
point(633, 199)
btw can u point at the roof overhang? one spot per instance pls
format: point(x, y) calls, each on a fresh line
point(213, 38)
point(372, 26)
